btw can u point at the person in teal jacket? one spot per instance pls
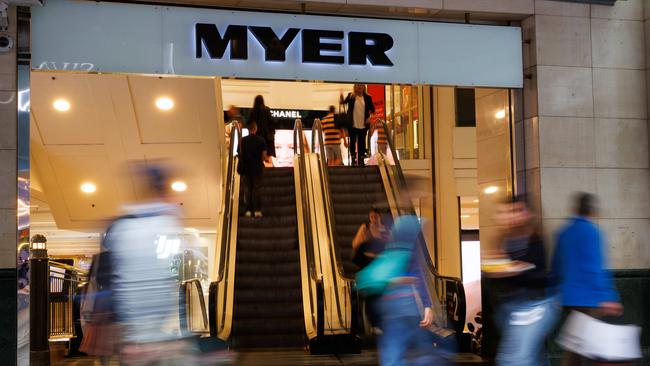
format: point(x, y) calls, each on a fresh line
point(579, 265)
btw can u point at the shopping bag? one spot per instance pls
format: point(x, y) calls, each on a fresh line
point(598, 340)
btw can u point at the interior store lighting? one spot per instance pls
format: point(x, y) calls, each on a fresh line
point(164, 104)
point(501, 113)
point(491, 190)
point(61, 105)
point(88, 188)
point(179, 186)
point(465, 216)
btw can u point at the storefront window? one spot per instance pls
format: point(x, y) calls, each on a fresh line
point(403, 110)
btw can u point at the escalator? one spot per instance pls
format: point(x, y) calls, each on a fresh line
point(268, 309)
point(354, 191)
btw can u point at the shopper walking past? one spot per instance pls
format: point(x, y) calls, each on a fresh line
point(579, 263)
point(261, 115)
point(527, 307)
point(377, 126)
point(360, 107)
point(252, 154)
point(333, 138)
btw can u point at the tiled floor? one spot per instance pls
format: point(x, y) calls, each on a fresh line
point(275, 358)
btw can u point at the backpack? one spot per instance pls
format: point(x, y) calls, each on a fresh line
point(393, 262)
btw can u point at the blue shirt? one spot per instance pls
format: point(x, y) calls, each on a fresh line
point(579, 264)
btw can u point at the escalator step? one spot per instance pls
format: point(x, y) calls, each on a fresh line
point(265, 233)
point(367, 198)
point(270, 222)
point(267, 244)
point(250, 256)
point(263, 296)
point(260, 310)
point(269, 341)
point(267, 269)
point(268, 281)
point(266, 326)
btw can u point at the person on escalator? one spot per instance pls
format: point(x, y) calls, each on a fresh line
point(333, 137)
point(370, 240)
point(261, 115)
point(359, 106)
point(252, 154)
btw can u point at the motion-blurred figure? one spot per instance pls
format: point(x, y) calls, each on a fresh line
point(261, 115)
point(527, 309)
point(145, 295)
point(405, 306)
point(333, 136)
point(232, 115)
point(579, 263)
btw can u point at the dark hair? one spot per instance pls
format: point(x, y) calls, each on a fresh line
point(251, 126)
point(156, 179)
point(258, 104)
point(332, 109)
point(585, 204)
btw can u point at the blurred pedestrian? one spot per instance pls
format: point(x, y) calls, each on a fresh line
point(145, 294)
point(261, 115)
point(333, 138)
point(377, 126)
point(527, 307)
point(232, 115)
point(405, 304)
point(252, 155)
point(360, 107)
point(580, 265)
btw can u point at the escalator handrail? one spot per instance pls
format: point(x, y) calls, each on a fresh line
point(427, 257)
point(318, 317)
point(317, 136)
point(336, 261)
point(185, 326)
point(298, 150)
point(236, 132)
point(215, 324)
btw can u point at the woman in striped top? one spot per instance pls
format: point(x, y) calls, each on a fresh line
point(333, 137)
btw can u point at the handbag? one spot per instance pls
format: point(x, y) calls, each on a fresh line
point(390, 264)
point(342, 119)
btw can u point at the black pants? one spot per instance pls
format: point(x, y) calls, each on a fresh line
point(252, 196)
point(358, 136)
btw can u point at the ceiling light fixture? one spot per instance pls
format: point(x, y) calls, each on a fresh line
point(88, 188)
point(61, 105)
point(179, 186)
point(501, 113)
point(164, 104)
point(491, 190)
point(465, 216)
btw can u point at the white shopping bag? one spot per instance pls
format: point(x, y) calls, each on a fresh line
point(598, 340)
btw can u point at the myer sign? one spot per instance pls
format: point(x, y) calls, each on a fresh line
point(362, 46)
point(117, 37)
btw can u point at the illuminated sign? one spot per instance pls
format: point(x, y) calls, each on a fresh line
point(192, 41)
point(285, 114)
point(362, 46)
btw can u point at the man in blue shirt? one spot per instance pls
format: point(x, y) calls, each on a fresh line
point(580, 266)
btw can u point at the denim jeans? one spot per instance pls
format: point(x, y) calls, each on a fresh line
point(403, 341)
point(524, 325)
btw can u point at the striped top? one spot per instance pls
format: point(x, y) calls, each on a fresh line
point(332, 134)
point(381, 134)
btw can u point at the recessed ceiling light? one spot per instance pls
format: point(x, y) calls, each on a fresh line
point(179, 186)
point(475, 201)
point(491, 189)
point(88, 188)
point(61, 105)
point(501, 113)
point(465, 216)
point(164, 103)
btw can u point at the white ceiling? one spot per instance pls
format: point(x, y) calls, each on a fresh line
point(113, 120)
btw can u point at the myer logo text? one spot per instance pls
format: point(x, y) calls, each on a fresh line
point(363, 47)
